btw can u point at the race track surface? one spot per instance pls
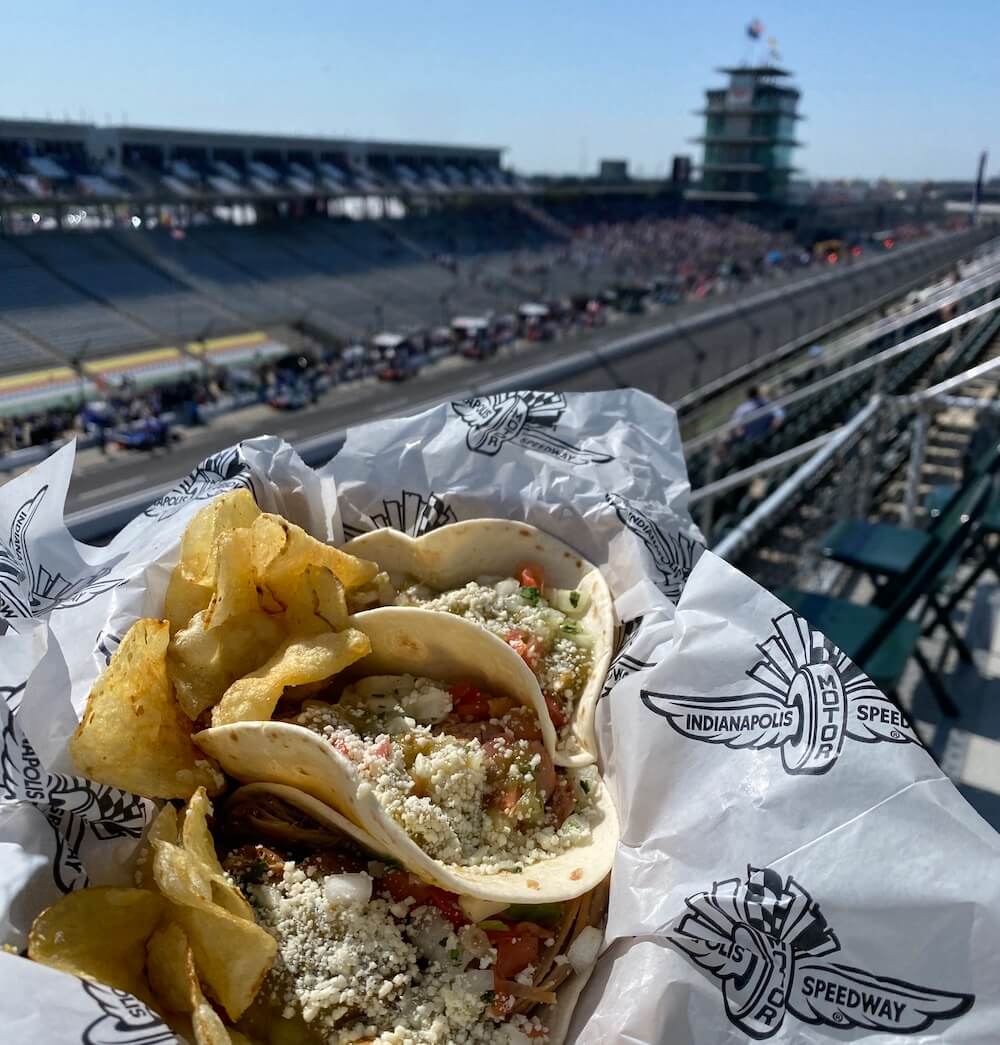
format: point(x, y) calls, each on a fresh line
point(678, 363)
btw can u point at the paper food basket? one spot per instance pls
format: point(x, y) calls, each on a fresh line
point(793, 866)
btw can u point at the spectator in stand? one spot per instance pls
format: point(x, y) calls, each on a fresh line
point(750, 428)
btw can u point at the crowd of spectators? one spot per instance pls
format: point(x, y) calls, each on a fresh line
point(676, 259)
point(697, 255)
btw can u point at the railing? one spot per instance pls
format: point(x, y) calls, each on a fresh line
point(865, 338)
point(101, 520)
point(918, 406)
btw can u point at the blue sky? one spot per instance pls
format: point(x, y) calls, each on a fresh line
point(901, 88)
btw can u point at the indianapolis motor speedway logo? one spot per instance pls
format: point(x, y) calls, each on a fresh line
point(412, 513)
point(72, 807)
point(811, 701)
point(674, 555)
point(770, 948)
point(124, 1020)
point(31, 589)
point(624, 662)
point(527, 419)
point(217, 474)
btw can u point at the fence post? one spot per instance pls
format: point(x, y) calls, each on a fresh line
point(918, 448)
point(869, 449)
point(707, 512)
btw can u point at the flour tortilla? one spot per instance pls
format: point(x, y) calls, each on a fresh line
point(443, 647)
point(451, 556)
point(556, 1017)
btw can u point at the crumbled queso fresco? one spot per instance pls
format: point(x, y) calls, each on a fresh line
point(442, 789)
point(502, 606)
point(356, 970)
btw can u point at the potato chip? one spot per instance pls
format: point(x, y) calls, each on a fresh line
point(281, 550)
point(200, 847)
point(100, 934)
point(133, 734)
point(173, 976)
point(296, 662)
point(206, 1022)
point(165, 827)
point(313, 601)
point(184, 599)
point(203, 664)
point(235, 585)
point(232, 953)
point(167, 967)
point(232, 511)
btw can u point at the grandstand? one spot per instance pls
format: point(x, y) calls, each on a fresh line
point(45, 163)
point(153, 257)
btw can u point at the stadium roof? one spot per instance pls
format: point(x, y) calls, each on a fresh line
point(201, 138)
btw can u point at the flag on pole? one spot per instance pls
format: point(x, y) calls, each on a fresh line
point(755, 30)
point(772, 49)
point(977, 189)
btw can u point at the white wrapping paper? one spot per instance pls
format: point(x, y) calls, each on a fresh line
point(793, 866)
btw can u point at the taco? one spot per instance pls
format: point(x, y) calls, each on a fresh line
point(438, 746)
point(537, 594)
point(368, 952)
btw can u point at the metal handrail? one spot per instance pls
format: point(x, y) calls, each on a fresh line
point(735, 480)
point(857, 368)
point(850, 343)
point(99, 520)
point(944, 387)
point(736, 539)
point(920, 403)
point(549, 373)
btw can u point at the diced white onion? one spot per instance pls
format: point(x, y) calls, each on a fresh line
point(428, 703)
point(479, 910)
point(473, 942)
point(508, 586)
point(475, 981)
point(348, 888)
point(561, 599)
point(583, 951)
point(427, 939)
point(515, 1036)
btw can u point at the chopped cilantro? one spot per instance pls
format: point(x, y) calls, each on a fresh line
point(488, 997)
point(516, 870)
point(531, 595)
point(547, 914)
point(454, 954)
point(442, 941)
point(574, 599)
point(569, 626)
point(585, 784)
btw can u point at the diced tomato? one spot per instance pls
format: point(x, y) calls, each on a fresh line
point(562, 802)
point(469, 703)
point(525, 646)
point(531, 575)
point(545, 774)
point(341, 745)
point(556, 712)
point(383, 748)
point(517, 948)
point(398, 885)
point(506, 798)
